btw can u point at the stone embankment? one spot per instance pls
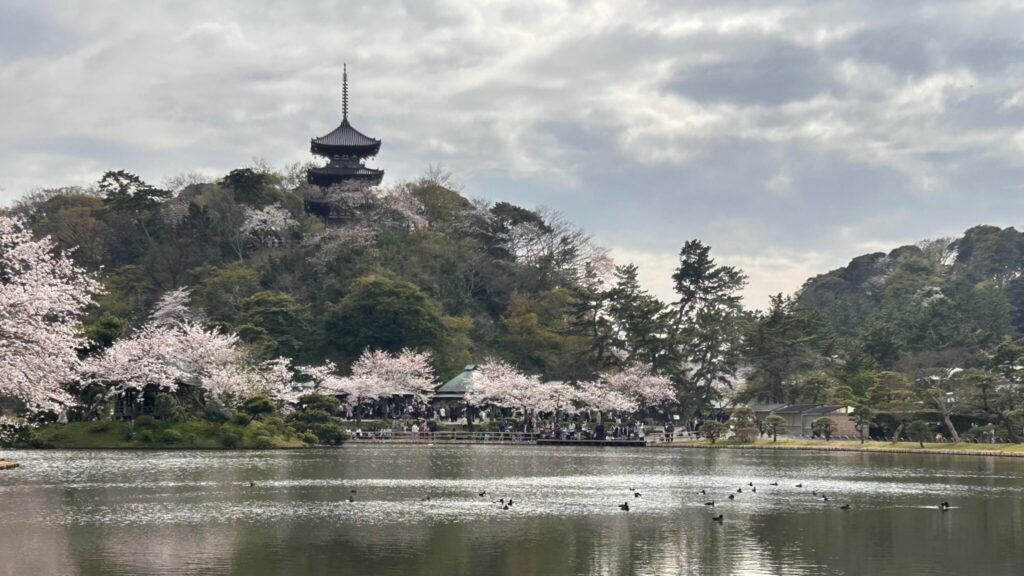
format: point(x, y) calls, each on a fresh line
point(827, 448)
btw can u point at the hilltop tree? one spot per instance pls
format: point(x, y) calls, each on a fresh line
point(382, 314)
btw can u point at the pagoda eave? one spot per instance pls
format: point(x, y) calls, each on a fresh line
point(331, 151)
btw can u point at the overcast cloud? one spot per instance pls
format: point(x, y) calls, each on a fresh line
point(791, 136)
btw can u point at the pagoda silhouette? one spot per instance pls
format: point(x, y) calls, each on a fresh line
point(346, 150)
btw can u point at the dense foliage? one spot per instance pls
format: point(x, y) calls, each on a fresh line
point(418, 274)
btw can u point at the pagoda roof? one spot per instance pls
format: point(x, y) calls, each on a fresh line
point(344, 136)
point(335, 173)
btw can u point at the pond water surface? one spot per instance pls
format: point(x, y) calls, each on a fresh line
point(134, 512)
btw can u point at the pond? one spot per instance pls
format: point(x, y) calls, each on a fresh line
point(287, 512)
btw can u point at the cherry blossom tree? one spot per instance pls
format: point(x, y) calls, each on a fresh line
point(172, 349)
point(42, 297)
point(498, 383)
point(596, 395)
point(268, 225)
point(633, 388)
point(640, 384)
point(376, 375)
point(407, 373)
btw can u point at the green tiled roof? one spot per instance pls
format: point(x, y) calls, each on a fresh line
point(457, 386)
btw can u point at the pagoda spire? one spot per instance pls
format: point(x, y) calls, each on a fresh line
point(344, 93)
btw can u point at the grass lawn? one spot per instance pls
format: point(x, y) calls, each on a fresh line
point(155, 434)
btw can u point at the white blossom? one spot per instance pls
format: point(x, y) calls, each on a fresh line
point(268, 225)
point(42, 297)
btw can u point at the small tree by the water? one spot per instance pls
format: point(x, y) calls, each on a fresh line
point(773, 424)
point(744, 423)
point(713, 430)
point(258, 406)
point(824, 427)
point(919, 431)
point(862, 416)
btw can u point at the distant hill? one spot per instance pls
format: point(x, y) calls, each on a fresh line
point(936, 294)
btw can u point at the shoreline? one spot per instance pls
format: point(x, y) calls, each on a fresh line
point(8, 465)
point(1012, 450)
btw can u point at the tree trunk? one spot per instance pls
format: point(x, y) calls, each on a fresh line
point(775, 435)
point(896, 434)
point(949, 426)
point(1010, 432)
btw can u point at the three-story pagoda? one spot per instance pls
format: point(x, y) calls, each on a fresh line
point(346, 150)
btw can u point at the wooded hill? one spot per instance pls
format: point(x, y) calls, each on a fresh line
point(420, 265)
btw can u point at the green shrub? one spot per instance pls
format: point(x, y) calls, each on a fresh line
point(745, 434)
point(240, 418)
point(310, 438)
point(259, 407)
point(713, 430)
point(216, 412)
point(263, 442)
point(171, 437)
point(144, 422)
point(168, 409)
point(230, 440)
point(146, 436)
point(100, 426)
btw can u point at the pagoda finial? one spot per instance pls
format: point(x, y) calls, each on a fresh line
point(344, 92)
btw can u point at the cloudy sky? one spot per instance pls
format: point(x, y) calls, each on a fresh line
point(791, 136)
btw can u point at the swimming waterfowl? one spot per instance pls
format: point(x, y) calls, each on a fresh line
point(739, 490)
point(718, 518)
point(844, 507)
point(636, 494)
point(712, 503)
point(799, 485)
point(824, 498)
point(624, 506)
point(482, 494)
point(750, 483)
point(754, 489)
point(704, 492)
point(774, 484)
point(351, 499)
point(732, 496)
point(944, 506)
point(509, 502)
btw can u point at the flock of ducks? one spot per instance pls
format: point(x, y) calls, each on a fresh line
point(507, 503)
point(944, 506)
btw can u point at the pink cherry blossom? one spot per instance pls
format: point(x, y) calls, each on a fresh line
point(42, 297)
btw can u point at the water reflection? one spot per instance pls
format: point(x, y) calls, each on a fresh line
point(196, 512)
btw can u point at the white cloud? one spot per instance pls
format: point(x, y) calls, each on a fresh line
point(787, 137)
